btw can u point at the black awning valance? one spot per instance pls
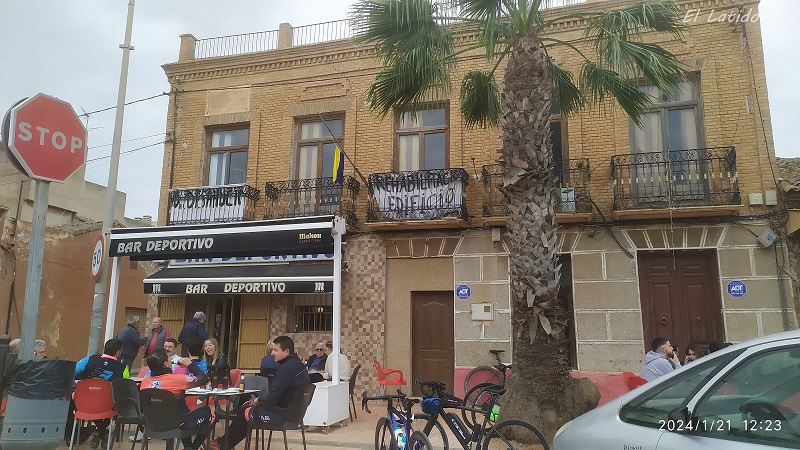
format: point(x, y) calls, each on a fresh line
point(294, 278)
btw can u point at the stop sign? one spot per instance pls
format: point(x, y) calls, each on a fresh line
point(46, 138)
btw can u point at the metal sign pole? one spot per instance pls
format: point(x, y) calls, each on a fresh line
point(33, 280)
point(339, 228)
point(112, 298)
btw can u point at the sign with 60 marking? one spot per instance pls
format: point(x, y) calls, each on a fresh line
point(98, 254)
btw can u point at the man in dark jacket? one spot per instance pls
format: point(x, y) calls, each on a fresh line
point(291, 376)
point(131, 341)
point(194, 327)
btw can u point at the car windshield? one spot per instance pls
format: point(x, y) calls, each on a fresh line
point(653, 407)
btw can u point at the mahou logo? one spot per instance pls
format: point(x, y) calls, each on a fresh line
point(305, 238)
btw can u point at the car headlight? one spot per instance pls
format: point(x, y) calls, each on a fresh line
point(561, 430)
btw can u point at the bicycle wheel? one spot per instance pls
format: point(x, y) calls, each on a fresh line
point(418, 441)
point(516, 435)
point(477, 398)
point(384, 437)
point(437, 436)
point(482, 374)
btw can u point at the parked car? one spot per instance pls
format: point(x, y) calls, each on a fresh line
point(744, 396)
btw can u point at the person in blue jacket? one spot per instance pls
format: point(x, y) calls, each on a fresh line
point(196, 326)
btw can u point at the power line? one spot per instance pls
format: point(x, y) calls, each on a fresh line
point(127, 151)
point(126, 104)
point(128, 140)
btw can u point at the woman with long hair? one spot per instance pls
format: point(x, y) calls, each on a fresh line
point(216, 360)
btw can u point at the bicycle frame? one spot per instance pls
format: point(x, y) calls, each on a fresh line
point(404, 417)
point(463, 434)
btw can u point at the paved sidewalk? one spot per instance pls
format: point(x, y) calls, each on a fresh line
point(359, 434)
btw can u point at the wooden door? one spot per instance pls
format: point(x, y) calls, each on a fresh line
point(171, 311)
point(432, 337)
point(680, 297)
point(253, 331)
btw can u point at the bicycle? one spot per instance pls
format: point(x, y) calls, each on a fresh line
point(478, 379)
point(508, 434)
point(402, 417)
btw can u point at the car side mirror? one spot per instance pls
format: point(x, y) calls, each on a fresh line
point(681, 417)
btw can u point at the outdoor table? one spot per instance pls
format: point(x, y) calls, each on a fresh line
point(137, 379)
point(231, 395)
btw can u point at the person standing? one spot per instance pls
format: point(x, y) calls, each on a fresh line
point(194, 327)
point(661, 360)
point(156, 336)
point(131, 341)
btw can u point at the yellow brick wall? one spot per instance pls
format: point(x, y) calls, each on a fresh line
point(333, 77)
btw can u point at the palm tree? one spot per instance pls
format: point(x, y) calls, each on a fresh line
point(414, 41)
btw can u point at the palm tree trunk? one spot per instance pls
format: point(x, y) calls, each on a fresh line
point(540, 389)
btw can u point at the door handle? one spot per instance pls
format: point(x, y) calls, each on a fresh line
point(664, 320)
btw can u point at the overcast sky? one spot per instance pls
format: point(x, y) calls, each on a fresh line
point(70, 50)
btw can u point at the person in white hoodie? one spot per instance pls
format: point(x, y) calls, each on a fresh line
point(660, 360)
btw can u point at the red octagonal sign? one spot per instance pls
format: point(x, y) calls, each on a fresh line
point(46, 138)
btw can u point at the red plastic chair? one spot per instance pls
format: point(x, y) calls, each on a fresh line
point(389, 377)
point(143, 372)
point(93, 401)
point(632, 381)
point(235, 375)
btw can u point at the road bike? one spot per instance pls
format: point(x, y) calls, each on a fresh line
point(486, 434)
point(399, 415)
point(488, 374)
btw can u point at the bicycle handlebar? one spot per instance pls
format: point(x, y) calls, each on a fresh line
point(408, 402)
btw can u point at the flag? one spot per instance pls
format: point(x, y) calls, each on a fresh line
point(338, 166)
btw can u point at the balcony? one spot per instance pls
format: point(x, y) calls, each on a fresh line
point(212, 204)
point(573, 202)
point(418, 199)
point(312, 197)
point(684, 183)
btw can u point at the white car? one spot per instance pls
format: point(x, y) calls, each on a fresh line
point(746, 396)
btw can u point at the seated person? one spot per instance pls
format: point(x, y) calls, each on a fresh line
point(269, 367)
point(316, 362)
point(344, 367)
point(99, 367)
point(661, 360)
point(291, 376)
point(216, 360)
point(161, 377)
point(194, 347)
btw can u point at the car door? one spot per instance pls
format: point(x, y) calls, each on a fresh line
point(754, 403)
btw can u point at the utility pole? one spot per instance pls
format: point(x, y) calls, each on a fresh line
point(111, 191)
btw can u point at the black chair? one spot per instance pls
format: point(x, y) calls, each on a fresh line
point(163, 417)
point(220, 411)
point(125, 394)
point(293, 414)
point(352, 407)
point(256, 382)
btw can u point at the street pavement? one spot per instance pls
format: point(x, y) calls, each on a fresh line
point(359, 434)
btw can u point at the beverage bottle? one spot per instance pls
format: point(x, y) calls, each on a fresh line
point(400, 437)
point(241, 386)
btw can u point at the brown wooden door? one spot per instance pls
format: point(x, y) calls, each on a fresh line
point(680, 298)
point(432, 337)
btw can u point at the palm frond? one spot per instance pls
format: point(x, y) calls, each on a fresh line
point(410, 83)
point(480, 99)
point(396, 26)
point(566, 93)
point(600, 83)
point(633, 21)
point(413, 48)
point(490, 17)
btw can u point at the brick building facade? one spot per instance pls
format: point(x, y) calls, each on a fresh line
point(655, 223)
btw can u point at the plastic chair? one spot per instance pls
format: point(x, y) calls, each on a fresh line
point(293, 414)
point(386, 377)
point(93, 401)
point(235, 375)
point(352, 407)
point(221, 404)
point(256, 382)
point(163, 418)
point(143, 372)
point(632, 381)
point(125, 393)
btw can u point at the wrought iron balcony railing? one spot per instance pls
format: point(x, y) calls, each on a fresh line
point(212, 204)
point(572, 188)
point(698, 177)
point(312, 197)
point(417, 195)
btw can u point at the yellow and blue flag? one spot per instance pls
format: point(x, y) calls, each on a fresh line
point(338, 166)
